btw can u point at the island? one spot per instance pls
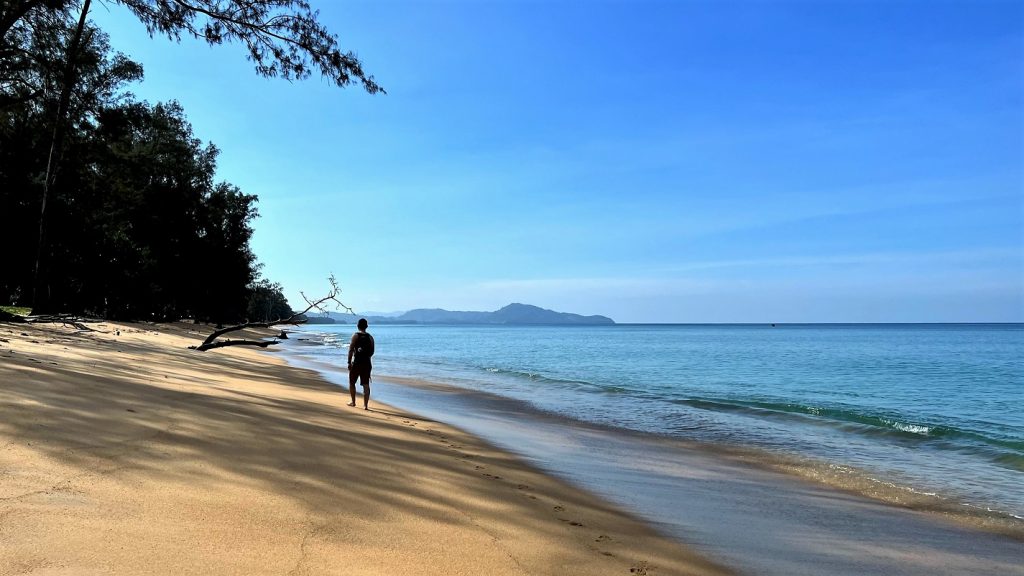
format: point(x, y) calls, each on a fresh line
point(513, 314)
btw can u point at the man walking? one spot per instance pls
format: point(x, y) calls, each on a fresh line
point(360, 349)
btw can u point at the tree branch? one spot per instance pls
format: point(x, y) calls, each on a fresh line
point(295, 319)
point(283, 37)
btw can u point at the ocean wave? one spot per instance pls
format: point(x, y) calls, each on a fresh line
point(1006, 452)
point(910, 428)
point(535, 376)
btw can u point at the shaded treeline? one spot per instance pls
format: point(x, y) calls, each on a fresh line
point(136, 225)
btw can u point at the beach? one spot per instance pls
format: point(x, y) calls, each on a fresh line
point(124, 452)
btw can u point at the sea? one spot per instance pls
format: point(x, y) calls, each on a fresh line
point(928, 410)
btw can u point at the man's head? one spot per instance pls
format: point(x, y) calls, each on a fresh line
point(362, 324)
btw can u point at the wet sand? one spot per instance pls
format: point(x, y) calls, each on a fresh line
point(130, 454)
point(742, 513)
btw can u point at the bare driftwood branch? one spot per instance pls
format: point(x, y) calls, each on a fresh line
point(295, 319)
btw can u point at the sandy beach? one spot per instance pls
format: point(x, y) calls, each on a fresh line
point(124, 452)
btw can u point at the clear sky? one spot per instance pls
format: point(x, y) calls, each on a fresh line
point(650, 161)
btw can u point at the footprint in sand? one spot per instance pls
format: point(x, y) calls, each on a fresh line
point(523, 487)
point(559, 509)
point(640, 569)
point(492, 477)
point(603, 538)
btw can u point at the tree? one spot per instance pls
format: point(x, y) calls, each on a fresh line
point(139, 227)
point(283, 38)
point(32, 88)
point(175, 243)
point(267, 302)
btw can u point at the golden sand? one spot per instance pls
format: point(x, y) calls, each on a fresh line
point(131, 454)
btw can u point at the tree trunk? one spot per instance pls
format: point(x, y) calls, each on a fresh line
point(41, 302)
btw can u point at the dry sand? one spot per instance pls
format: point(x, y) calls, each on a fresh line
point(130, 454)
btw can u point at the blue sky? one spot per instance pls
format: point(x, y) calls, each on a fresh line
point(650, 161)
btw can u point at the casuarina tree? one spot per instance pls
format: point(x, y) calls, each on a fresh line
point(284, 38)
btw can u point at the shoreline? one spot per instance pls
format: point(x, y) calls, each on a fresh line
point(842, 478)
point(748, 515)
point(125, 452)
point(722, 489)
point(937, 476)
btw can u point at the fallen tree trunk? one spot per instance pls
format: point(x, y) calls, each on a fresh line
point(295, 319)
point(223, 343)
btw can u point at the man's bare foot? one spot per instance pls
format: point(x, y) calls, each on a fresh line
point(350, 404)
point(366, 408)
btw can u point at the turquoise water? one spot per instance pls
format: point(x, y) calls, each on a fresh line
point(936, 409)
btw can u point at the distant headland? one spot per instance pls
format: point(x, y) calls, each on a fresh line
point(513, 314)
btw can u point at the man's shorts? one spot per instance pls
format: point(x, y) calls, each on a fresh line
point(359, 371)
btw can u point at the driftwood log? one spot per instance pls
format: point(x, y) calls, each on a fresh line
point(296, 318)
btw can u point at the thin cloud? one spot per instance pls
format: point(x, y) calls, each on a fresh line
point(875, 258)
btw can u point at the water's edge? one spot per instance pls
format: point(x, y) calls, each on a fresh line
point(869, 484)
point(743, 507)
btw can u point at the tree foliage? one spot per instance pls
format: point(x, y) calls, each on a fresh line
point(86, 166)
point(267, 302)
point(138, 225)
point(283, 38)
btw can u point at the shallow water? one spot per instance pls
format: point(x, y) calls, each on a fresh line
point(754, 520)
point(928, 409)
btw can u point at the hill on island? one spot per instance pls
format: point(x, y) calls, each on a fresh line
point(513, 314)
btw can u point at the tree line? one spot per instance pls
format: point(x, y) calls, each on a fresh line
point(111, 205)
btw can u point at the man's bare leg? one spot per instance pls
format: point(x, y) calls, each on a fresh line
point(366, 397)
